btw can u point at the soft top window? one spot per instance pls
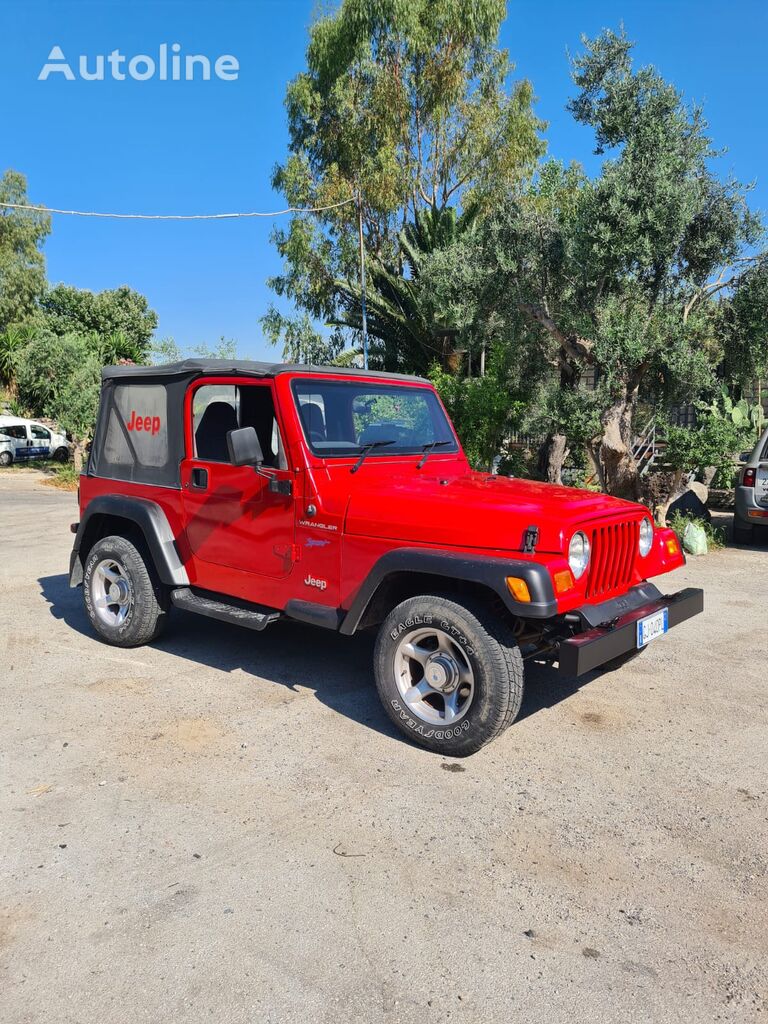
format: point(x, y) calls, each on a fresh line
point(344, 417)
point(134, 441)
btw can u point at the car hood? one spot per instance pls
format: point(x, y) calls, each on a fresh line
point(475, 510)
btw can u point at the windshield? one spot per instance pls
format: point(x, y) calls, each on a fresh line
point(345, 417)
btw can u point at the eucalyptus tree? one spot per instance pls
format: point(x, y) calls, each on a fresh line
point(404, 105)
point(22, 264)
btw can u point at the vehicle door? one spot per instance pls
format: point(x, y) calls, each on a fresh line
point(19, 440)
point(39, 442)
point(236, 516)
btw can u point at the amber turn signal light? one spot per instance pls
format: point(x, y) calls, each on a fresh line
point(518, 589)
point(672, 546)
point(563, 581)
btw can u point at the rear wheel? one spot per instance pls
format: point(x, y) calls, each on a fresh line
point(5, 458)
point(742, 534)
point(124, 599)
point(450, 675)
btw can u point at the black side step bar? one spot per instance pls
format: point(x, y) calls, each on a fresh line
point(252, 616)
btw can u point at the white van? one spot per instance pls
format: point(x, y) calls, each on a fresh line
point(22, 440)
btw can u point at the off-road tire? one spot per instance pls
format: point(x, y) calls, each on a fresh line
point(147, 613)
point(490, 649)
point(6, 459)
point(742, 534)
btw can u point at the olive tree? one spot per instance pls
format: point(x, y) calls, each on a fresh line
point(615, 278)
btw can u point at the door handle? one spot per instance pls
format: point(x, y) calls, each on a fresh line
point(200, 478)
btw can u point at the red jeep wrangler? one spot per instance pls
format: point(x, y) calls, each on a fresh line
point(251, 493)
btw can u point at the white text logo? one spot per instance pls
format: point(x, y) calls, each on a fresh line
point(310, 581)
point(168, 65)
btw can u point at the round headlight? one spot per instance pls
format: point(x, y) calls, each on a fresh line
point(578, 554)
point(646, 537)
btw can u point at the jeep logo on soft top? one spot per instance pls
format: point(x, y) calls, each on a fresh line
point(149, 424)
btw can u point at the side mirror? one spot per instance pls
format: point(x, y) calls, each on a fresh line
point(745, 456)
point(244, 448)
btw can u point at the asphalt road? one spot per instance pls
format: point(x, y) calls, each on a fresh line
point(223, 827)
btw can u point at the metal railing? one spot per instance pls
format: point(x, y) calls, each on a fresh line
point(645, 450)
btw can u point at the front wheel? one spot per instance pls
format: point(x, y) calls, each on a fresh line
point(449, 674)
point(123, 597)
point(61, 455)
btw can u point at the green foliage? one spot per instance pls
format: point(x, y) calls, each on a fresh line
point(22, 266)
point(60, 377)
point(519, 462)
point(748, 418)
point(166, 350)
point(613, 277)
point(483, 410)
point(76, 401)
point(715, 534)
point(300, 340)
point(714, 441)
point(405, 103)
point(120, 316)
point(12, 341)
point(65, 476)
point(745, 326)
point(401, 315)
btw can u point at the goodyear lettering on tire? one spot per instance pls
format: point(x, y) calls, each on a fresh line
point(428, 734)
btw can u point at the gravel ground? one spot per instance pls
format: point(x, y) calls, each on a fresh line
point(223, 826)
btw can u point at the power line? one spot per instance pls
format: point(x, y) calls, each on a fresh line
point(176, 216)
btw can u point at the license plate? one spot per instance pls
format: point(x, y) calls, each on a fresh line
point(761, 486)
point(651, 627)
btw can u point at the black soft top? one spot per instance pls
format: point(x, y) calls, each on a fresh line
point(190, 368)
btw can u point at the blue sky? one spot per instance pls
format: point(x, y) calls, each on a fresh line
point(181, 147)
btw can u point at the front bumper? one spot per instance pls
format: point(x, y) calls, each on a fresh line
point(610, 639)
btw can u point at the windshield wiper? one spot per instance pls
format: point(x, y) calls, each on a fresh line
point(428, 449)
point(369, 448)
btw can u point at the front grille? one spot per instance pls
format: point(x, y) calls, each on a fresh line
point(613, 557)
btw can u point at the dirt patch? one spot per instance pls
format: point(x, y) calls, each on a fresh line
point(194, 734)
point(128, 685)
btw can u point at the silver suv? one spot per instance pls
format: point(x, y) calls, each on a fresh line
point(752, 493)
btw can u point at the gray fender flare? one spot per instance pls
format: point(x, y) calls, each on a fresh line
point(152, 522)
point(481, 569)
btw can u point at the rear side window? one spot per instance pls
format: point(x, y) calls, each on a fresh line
point(136, 439)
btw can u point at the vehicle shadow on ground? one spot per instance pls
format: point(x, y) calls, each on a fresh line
point(337, 669)
point(545, 687)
